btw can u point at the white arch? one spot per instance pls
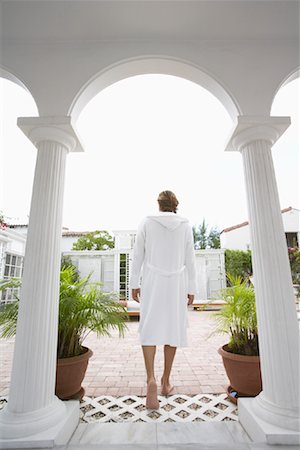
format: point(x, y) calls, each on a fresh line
point(7, 74)
point(155, 65)
point(290, 77)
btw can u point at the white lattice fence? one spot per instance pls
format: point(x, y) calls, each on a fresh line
point(175, 408)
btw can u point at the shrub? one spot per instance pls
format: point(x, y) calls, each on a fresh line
point(238, 263)
point(294, 258)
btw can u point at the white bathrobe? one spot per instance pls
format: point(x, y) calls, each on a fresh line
point(164, 250)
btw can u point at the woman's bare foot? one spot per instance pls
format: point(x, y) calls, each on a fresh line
point(152, 400)
point(166, 387)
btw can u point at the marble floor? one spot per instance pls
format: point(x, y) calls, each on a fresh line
point(165, 436)
point(104, 425)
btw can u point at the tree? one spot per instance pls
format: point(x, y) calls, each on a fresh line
point(214, 240)
point(200, 236)
point(204, 239)
point(96, 240)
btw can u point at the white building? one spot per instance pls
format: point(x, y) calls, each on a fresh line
point(65, 53)
point(237, 237)
point(68, 237)
point(124, 238)
point(111, 267)
point(12, 250)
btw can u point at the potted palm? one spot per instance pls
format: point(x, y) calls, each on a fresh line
point(83, 308)
point(237, 318)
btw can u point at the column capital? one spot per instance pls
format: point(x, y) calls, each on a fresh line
point(252, 128)
point(59, 129)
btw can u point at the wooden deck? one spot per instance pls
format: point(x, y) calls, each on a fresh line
point(207, 306)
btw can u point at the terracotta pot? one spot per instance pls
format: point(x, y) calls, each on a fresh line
point(70, 373)
point(243, 372)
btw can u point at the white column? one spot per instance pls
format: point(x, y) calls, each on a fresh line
point(32, 406)
point(275, 412)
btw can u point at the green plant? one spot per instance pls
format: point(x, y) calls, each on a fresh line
point(9, 312)
point(66, 261)
point(206, 239)
point(294, 258)
point(96, 240)
point(238, 263)
point(83, 307)
point(237, 318)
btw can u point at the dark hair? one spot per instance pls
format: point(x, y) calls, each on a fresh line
point(167, 201)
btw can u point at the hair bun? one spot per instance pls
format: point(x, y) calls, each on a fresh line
point(168, 201)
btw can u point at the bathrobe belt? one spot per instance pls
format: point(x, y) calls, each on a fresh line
point(166, 273)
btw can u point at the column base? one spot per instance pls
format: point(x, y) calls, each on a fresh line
point(261, 431)
point(58, 434)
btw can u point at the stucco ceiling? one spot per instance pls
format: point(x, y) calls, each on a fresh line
point(135, 20)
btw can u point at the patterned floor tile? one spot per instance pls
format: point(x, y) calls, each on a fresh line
point(175, 408)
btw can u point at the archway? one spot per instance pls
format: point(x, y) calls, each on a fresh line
point(289, 78)
point(147, 65)
point(166, 123)
point(54, 137)
point(16, 179)
point(286, 152)
point(13, 78)
point(182, 159)
point(161, 65)
point(254, 137)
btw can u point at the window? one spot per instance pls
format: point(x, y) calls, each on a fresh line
point(124, 276)
point(2, 258)
point(13, 269)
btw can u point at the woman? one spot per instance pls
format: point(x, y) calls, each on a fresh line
point(164, 247)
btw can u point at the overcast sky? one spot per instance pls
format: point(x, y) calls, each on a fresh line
point(143, 135)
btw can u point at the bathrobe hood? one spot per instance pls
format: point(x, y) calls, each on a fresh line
point(169, 220)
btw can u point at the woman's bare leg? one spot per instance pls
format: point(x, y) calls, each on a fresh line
point(169, 354)
point(149, 355)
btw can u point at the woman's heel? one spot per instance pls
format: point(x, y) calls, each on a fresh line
point(152, 400)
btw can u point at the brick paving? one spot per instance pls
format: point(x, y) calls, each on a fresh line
point(117, 366)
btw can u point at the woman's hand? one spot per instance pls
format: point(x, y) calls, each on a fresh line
point(190, 299)
point(136, 294)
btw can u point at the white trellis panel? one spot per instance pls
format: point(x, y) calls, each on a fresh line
point(87, 265)
point(210, 265)
point(105, 265)
point(108, 272)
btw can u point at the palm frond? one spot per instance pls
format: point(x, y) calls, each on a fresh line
point(8, 319)
point(237, 317)
point(83, 307)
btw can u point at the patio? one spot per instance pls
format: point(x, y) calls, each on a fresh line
point(65, 53)
point(117, 367)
